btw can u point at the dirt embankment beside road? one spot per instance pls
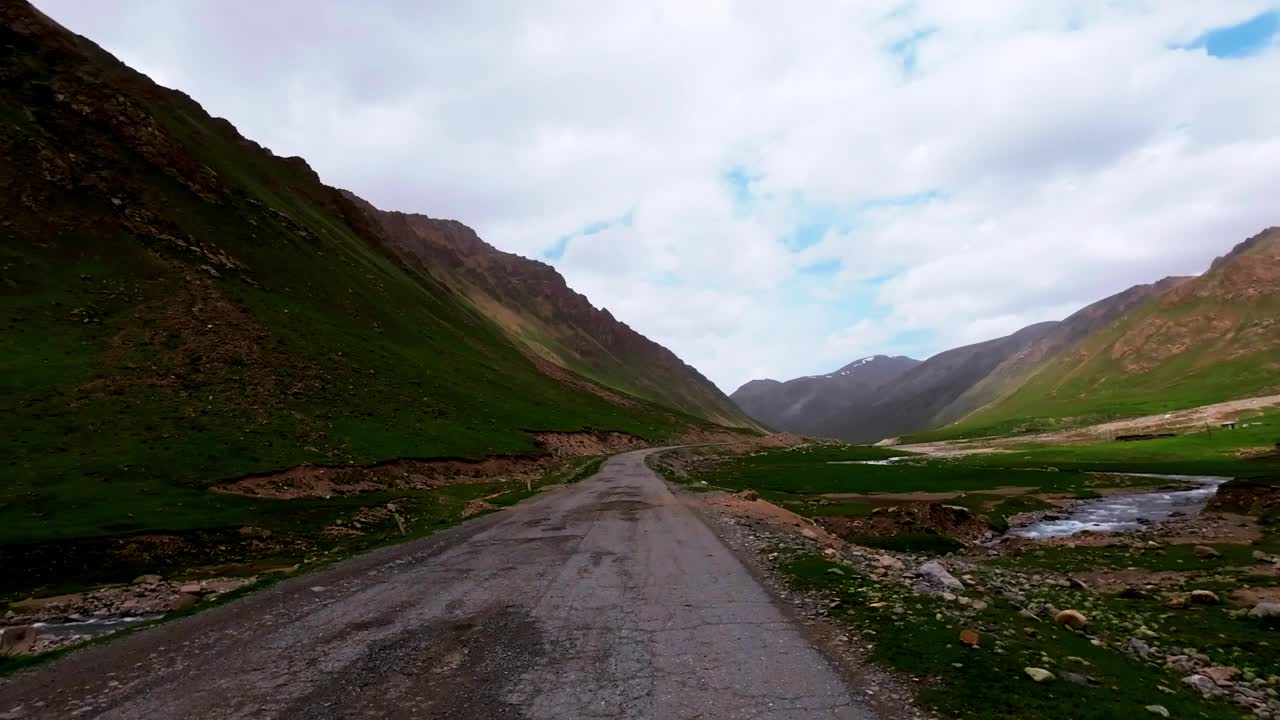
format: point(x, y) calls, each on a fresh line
point(324, 481)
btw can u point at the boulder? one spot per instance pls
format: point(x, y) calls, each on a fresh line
point(1206, 686)
point(1221, 676)
point(888, 562)
point(1073, 619)
point(186, 600)
point(1265, 610)
point(1205, 552)
point(1204, 597)
point(1176, 602)
point(17, 640)
point(1160, 710)
point(147, 580)
point(1137, 647)
point(1039, 675)
point(937, 578)
point(808, 533)
point(969, 637)
point(191, 588)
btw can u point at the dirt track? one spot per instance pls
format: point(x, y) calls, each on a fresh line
point(604, 599)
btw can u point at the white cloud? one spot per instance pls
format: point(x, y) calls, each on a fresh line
point(1074, 151)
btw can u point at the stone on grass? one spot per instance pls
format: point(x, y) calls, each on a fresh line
point(1073, 619)
point(1160, 710)
point(1221, 676)
point(1206, 686)
point(969, 637)
point(147, 580)
point(1204, 597)
point(1039, 675)
point(1265, 610)
point(1138, 647)
point(937, 577)
point(1206, 552)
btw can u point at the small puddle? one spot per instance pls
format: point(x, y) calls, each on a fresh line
point(1129, 511)
point(90, 628)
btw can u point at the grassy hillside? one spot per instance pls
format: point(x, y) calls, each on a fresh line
point(180, 306)
point(536, 307)
point(1210, 339)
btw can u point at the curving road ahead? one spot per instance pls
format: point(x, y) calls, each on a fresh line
point(605, 599)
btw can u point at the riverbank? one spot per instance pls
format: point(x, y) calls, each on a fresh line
point(908, 560)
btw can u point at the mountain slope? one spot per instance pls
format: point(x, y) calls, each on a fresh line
point(537, 308)
point(1211, 338)
point(1014, 371)
point(912, 401)
point(181, 306)
point(808, 404)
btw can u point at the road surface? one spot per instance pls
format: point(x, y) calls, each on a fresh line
point(604, 599)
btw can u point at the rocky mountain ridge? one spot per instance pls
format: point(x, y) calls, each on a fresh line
point(1170, 344)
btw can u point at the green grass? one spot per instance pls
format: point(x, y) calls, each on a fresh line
point(818, 471)
point(1165, 557)
point(1211, 452)
point(134, 379)
point(989, 683)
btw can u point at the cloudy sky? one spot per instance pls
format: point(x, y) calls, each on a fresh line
point(769, 189)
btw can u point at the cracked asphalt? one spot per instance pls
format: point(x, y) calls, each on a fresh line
point(604, 599)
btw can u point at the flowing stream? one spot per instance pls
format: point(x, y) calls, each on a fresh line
point(90, 628)
point(1128, 511)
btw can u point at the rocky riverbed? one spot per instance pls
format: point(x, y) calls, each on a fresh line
point(40, 625)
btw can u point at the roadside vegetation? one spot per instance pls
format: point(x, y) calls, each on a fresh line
point(261, 534)
point(1147, 646)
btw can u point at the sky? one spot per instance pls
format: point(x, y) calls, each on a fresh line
point(768, 189)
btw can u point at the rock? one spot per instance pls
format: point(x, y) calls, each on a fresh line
point(17, 640)
point(1176, 602)
point(1073, 619)
point(1205, 552)
point(1265, 610)
point(186, 600)
point(969, 637)
point(1204, 597)
point(1221, 676)
point(1077, 583)
point(1160, 710)
point(808, 533)
point(1206, 686)
point(749, 495)
point(1081, 679)
point(1137, 647)
point(937, 577)
point(191, 588)
point(829, 552)
point(888, 562)
point(979, 605)
point(1039, 675)
point(147, 580)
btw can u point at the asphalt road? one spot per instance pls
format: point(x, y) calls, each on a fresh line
point(605, 599)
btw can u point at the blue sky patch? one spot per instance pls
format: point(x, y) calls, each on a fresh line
point(558, 248)
point(1236, 41)
point(822, 268)
point(905, 49)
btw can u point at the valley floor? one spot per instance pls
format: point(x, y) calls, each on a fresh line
point(607, 598)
